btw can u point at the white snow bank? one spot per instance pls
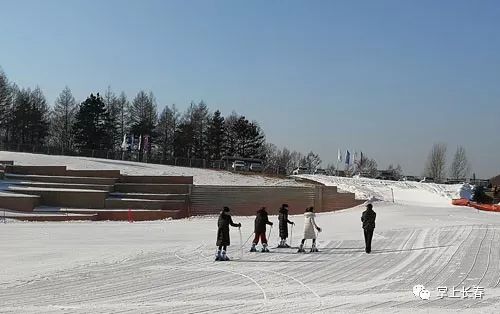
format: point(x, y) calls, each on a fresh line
point(200, 176)
point(404, 192)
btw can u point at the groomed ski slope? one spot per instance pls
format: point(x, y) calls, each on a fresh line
point(168, 267)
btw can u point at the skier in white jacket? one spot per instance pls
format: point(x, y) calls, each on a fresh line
point(309, 233)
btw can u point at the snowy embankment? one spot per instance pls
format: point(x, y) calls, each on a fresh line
point(404, 192)
point(200, 176)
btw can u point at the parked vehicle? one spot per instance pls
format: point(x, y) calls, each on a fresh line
point(300, 170)
point(320, 171)
point(238, 165)
point(411, 178)
point(427, 180)
point(256, 167)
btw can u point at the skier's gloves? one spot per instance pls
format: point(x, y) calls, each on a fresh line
point(239, 225)
point(271, 223)
point(319, 229)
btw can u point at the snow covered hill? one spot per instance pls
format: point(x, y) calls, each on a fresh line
point(405, 192)
point(200, 176)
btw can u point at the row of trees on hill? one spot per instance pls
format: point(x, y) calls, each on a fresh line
point(101, 121)
point(436, 163)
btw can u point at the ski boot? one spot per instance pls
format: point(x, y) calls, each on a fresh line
point(286, 245)
point(224, 257)
point(314, 248)
point(253, 249)
point(264, 248)
point(282, 244)
point(301, 249)
point(218, 256)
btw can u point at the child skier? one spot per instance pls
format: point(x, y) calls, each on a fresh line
point(309, 226)
point(261, 220)
point(223, 240)
point(283, 222)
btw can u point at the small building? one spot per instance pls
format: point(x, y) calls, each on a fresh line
point(495, 181)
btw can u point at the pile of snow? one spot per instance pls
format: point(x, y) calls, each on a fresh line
point(200, 176)
point(402, 192)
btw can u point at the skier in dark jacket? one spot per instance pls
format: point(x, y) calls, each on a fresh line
point(261, 220)
point(283, 220)
point(223, 240)
point(368, 219)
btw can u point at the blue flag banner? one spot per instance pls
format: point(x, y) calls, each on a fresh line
point(347, 157)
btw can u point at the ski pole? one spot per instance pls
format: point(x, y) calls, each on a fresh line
point(269, 235)
point(291, 236)
point(247, 240)
point(241, 244)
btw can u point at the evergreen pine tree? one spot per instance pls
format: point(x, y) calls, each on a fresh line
point(93, 128)
point(216, 136)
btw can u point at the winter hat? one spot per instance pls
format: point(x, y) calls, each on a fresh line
point(369, 206)
point(226, 209)
point(284, 205)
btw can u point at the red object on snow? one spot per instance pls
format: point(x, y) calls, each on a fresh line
point(485, 207)
point(130, 216)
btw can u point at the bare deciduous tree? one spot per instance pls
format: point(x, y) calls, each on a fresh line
point(460, 167)
point(63, 117)
point(436, 162)
point(366, 166)
point(311, 161)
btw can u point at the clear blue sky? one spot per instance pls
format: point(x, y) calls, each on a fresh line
point(389, 78)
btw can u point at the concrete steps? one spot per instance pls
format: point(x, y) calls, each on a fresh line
point(157, 179)
point(77, 186)
point(125, 214)
point(61, 179)
point(47, 216)
point(112, 203)
point(65, 197)
point(36, 170)
point(150, 196)
point(20, 202)
point(152, 188)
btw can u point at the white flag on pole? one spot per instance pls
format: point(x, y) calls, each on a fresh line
point(339, 156)
point(124, 142)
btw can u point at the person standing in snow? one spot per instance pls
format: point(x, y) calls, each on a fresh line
point(368, 219)
point(261, 220)
point(283, 223)
point(309, 233)
point(223, 239)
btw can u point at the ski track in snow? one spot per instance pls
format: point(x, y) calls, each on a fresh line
point(341, 277)
point(168, 266)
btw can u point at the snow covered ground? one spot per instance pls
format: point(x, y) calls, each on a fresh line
point(201, 176)
point(168, 267)
point(404, 192)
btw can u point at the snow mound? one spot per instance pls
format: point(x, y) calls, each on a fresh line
point(402, 192)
